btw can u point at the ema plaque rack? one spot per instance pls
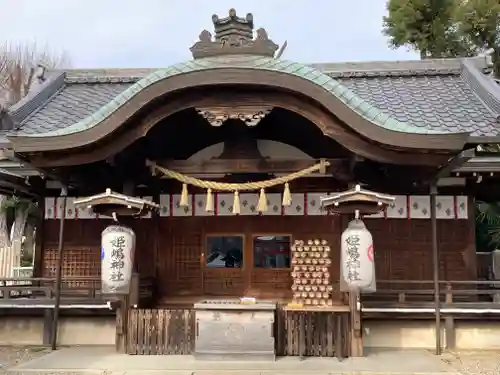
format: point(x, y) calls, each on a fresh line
point(311, 273)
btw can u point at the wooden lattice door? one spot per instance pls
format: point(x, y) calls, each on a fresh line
point(225, 264)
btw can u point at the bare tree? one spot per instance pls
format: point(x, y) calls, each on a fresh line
point(18, 65)
point(18, 75)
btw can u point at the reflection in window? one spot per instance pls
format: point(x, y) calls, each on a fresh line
point(224, 251)
point(271, 251)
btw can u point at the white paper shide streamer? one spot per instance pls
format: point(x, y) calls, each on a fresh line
point(357, 257)
point(117, 256)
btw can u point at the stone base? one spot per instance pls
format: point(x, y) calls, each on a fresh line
point(239, 333)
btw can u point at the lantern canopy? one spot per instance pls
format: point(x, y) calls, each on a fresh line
point(362, 200)
point(111, 203)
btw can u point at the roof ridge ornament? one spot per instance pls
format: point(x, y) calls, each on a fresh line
point(233, 36)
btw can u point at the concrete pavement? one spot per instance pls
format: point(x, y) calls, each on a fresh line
point(104, 360)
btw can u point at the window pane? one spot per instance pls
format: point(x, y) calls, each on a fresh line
point(271, 251)
point(224, 251)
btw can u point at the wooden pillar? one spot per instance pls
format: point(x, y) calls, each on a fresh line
point(450, 332)
point(356, 335)
point(48, 321)
point(39, 243)
point(122, 324)
point(470, 256)
point(435, 266)
point(449, 322)
point(60, 259)
point(134, 289)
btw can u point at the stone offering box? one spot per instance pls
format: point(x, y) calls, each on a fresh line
point(234, 330)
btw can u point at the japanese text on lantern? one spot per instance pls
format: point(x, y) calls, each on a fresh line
point(117, 258)
point(353, 257)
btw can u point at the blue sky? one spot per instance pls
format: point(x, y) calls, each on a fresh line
point(157, 33)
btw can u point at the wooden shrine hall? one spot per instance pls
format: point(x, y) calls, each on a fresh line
point(236, 149)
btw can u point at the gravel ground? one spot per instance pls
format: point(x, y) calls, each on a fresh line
point(485, 362)
point(11, 356)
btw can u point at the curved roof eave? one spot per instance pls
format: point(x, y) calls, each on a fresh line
point(372, 122)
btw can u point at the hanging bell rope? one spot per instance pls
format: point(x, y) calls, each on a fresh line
point(211, 186)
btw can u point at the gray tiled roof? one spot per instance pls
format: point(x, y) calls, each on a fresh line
point(71, 104)
point(438, 102)
point(434, 94)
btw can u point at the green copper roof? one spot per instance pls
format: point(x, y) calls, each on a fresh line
point(363, 108)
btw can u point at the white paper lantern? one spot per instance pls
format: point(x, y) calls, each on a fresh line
point(117, 259)
point(357, 257)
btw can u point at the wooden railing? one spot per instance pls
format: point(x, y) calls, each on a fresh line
point(419, 291)
point(22, 271)
point(411, 298)
point(403, 293)
point(21, 290)
point(44, 288)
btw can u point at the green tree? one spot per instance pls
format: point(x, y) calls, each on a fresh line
point(426, 26)
point(445, 28)
point(488, 214)
point(452, 28)
point(487, 226)
point(479, 21)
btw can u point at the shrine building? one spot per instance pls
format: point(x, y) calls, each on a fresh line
point(240, 113)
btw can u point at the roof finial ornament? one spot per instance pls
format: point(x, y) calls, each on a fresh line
point(233, 36)
point(205, 36)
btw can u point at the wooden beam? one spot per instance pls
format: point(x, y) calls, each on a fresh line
point(454, 163)
point(221, 166)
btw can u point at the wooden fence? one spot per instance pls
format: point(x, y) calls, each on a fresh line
point(167, 331)
point(312, 333)
point(160, 331)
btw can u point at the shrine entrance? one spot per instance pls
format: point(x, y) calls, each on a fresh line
point(244, 261)
point(236, 256)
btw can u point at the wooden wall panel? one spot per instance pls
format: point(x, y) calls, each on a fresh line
point(170, 249)
point(81, 256)
point(178, 269)
point(181, 270)
point(403, 249)
point(82, 245)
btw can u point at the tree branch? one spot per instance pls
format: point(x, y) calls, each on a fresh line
point(18, 64)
